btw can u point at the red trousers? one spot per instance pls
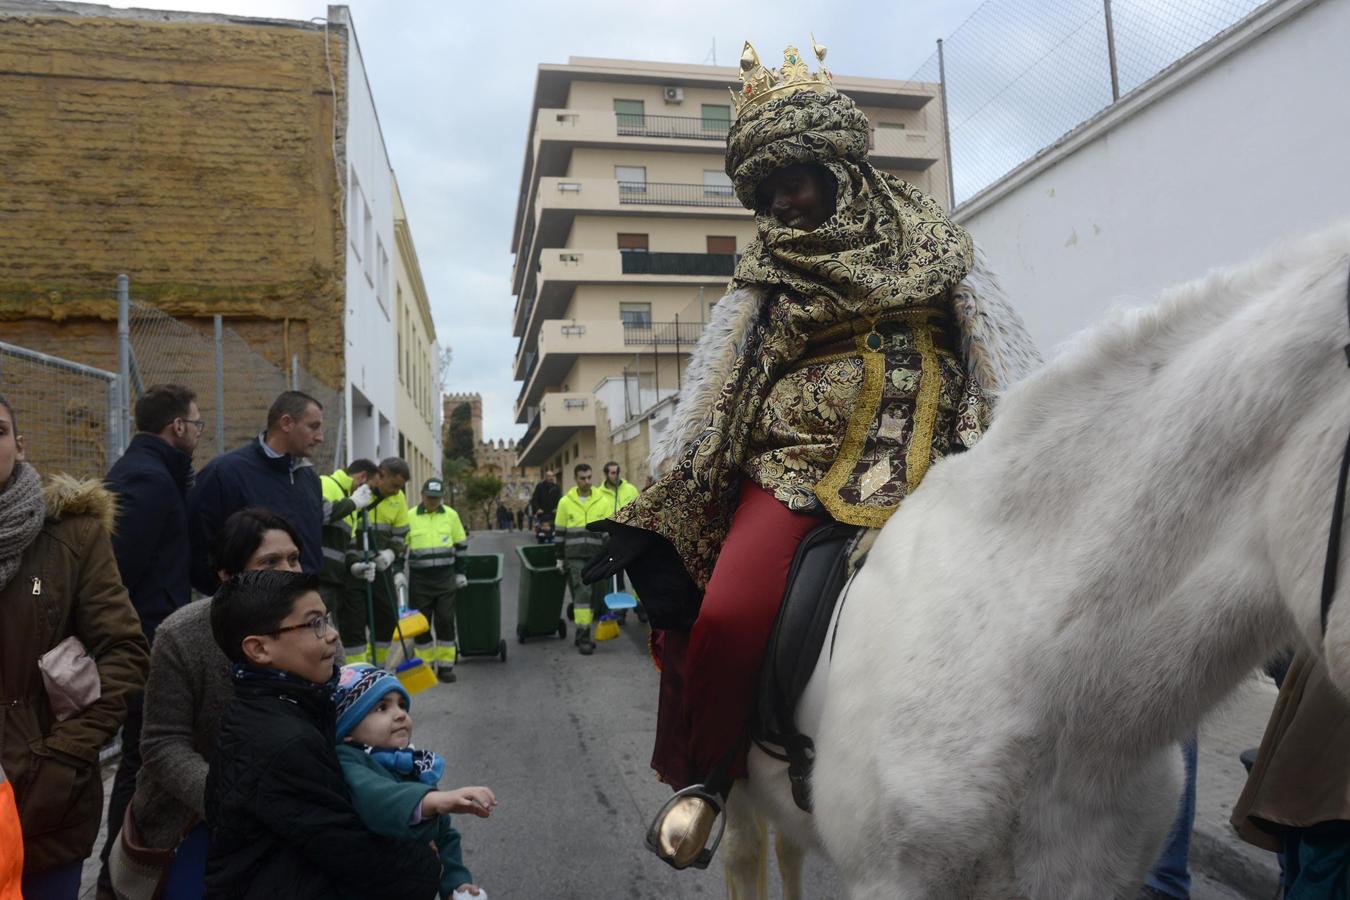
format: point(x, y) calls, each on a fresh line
point(709, 675)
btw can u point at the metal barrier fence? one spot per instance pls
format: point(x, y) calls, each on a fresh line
point(235, 385)
point(693, 127)
point(1020, 74)
point(68, 413)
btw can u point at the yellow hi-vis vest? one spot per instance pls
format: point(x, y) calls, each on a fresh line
point(434, 539)
point(388, 526)
point(574, 514)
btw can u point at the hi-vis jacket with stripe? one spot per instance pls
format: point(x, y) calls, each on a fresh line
point(388, 528)
point(574, 514)
point(435, 537)
point(339, 521)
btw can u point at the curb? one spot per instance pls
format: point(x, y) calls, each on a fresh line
point(1251, 872)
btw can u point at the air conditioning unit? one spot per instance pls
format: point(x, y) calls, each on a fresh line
point(674, 94)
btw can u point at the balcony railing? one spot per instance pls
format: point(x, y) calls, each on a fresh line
point(637, 262)
point(656, 193)
point(672, 334)
point(641, 125)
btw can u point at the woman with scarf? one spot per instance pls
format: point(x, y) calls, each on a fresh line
point(58, 581)
point(856, 348)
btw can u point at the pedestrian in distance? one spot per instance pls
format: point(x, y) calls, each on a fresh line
point(185, 697)
point(272, 471)
point(376, 557)
point(72, 654)
point(436, 544)
point(544, 500)
point(393, 784)
point(579, 507)
point(345, 493)
point(280, 814)
point(150, 541)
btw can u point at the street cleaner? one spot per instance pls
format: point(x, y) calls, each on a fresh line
point(345, 493)
point(846, 359)
point(376, 557)
point(436, 542)
point(579, 507)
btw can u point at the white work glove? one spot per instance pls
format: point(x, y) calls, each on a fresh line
point(400, 581)
point(562, 565)
point(384, 559)
point(461, 581)
point(362, 496)
point(365, 571)
point(465, 895)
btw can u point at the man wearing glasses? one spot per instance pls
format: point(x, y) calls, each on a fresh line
point(150, 541)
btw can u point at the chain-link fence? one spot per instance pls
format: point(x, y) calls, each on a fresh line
point(1020, 74)
point(68, 413)
point(235, 385)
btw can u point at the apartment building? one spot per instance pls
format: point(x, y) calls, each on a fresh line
point(417, 403)
point(627, 230)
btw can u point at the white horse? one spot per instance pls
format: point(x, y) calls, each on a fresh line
point(1051, 613)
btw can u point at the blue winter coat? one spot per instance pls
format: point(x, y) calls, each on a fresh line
point(247, 477)
point(150, 538)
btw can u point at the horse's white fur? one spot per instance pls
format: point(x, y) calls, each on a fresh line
point(1050, 613)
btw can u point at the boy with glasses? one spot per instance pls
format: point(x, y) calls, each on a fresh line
point(281, 818)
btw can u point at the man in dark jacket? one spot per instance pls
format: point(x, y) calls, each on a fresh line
point(281, 816)
point(544, 500)
point(150, 542)
point(272, 471)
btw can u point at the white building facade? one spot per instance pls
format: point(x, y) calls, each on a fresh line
point(370, 391)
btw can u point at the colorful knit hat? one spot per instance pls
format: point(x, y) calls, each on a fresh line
point(360, 687)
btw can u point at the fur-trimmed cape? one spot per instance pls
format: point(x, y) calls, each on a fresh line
point(995, 345)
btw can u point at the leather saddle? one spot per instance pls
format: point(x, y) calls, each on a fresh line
point(815, 581)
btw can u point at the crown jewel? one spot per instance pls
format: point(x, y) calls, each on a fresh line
point(760, 84)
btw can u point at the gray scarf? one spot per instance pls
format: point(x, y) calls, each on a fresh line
point(22, 513)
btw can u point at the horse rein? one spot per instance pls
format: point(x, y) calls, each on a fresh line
point(1337, 510)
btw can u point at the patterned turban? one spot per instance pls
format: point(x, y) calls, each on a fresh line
point(805, 127)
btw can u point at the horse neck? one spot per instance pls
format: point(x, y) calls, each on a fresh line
point(1162, 480)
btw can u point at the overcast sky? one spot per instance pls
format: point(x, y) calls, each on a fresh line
point(453, 84)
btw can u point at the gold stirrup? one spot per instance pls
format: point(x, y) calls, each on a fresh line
point(679, 833)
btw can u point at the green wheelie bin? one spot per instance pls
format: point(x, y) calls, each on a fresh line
point(478, 607)
point(542, 588)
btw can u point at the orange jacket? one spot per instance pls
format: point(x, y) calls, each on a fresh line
point(11, 843)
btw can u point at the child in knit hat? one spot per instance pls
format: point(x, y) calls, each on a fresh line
point(393, 785)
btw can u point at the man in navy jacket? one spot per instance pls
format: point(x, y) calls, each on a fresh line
point(272, 471)
point(150, 541)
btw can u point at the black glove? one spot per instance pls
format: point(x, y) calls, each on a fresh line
point(655, 570)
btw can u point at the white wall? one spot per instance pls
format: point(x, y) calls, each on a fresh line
point(370, 332)
point(1218, 161)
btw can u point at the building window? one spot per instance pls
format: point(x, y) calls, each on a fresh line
point(401, 379)
point(630, 243)
point(382, 276)
point(367, 236)
point(631, 114)
point(632, 179)
point(722, 244)
point(716, 183)
point(354, 218)
point(716, 118)
point(636, 315)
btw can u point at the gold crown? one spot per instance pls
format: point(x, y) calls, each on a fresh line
point(760, 84)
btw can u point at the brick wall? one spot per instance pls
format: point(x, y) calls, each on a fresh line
point(197, 157)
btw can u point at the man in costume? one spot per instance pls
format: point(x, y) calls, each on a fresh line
point(850, 355)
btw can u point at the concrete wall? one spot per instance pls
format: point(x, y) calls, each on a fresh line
point(191, 153)
point(664, 235)
point(600, 302)
point(371, 337)
point(1206, 167)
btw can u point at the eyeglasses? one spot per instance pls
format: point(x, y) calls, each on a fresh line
point(199, 424)
point(319, 625)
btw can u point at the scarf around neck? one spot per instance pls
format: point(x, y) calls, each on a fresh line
point(426, 765)
point(22, 513)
